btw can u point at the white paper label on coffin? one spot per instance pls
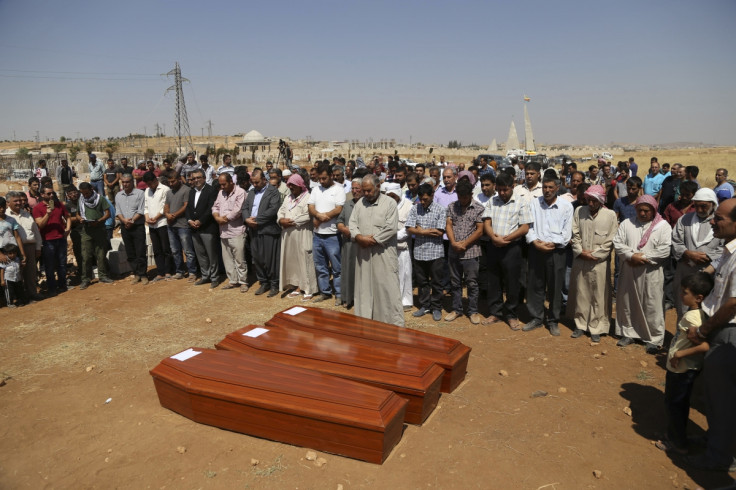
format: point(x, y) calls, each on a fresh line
point(295, 310)
point(184, 355)
point(256, 332)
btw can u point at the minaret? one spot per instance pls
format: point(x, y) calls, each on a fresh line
point(512, 143)
point(528, 135)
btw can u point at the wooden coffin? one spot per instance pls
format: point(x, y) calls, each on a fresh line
point(414, 378)
point(449, 354)
point(263, 398)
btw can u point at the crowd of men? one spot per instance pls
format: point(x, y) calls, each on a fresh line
point(367, 233)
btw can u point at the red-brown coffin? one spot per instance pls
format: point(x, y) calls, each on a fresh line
point(263, 398)
point(448, 353)
point(414, 378)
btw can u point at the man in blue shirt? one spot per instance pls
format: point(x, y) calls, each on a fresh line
point(653, 180)
point(548, 236)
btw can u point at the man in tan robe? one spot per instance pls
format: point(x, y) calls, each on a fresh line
point(593, 229)
point(643, 244)
point(373, 225)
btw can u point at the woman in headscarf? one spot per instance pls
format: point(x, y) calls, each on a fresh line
point(593, 229)
point(297, 265)
point(349, 248)
point(642, 244)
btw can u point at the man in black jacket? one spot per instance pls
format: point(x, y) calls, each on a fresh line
point(205, 232)
point(259, 213)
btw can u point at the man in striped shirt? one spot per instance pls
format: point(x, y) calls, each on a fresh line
point(506, 222)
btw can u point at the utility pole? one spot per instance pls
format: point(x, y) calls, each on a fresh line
point(181, 120)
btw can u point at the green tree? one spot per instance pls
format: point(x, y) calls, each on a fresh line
point(23, 153)
point(89, 147)
point(74, 151)
point(220, 151)
point(111, 148)
point(149, 153)
point(58, 148)
point(62, 139)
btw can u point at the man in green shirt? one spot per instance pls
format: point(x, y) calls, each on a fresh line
point(93, 212)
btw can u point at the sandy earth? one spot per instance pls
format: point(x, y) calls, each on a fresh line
point(64, 357)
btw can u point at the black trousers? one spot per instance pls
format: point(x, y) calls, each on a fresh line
point(266, 252)
point(719, 376)
point(161, 250)
point(503, 265)
point(677, 390)
point(429, 274)
point(546, 275)
point(134, 239)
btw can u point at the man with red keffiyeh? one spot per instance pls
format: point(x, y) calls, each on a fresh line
point(643, 244)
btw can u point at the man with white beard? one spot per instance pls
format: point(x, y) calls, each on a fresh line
point(393, 190)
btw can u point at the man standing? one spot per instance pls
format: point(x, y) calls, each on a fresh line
point(93, 211)
point(338, 175)
point(506, 222)
point(373, 225)
point(227, 213)
point(642, 244)
point(633, 167)
point(226, 167)
point(653, 180)
point(259, 212)
point(64, 175)
point(180, 236)
point(694, 246)
point(444, 196)
point(30, 236)
point(724, 190)
point(348, 250)
point(130, 206)
point(426, 222)
point(52, 219)
point(593, 229)
point(209, 171)
point(403, 208)
point(33, 194)
point(325, 203)
point(158, 231)
point(112, 179)
point(670, 187)
point(189, 166)
point(96, 170)
point(719, 368)
point(464, 227)
point(205, 235)
point(547, 238)
point(532, 188)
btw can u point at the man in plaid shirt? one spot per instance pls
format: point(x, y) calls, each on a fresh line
point(426, 222)
point(464, 228)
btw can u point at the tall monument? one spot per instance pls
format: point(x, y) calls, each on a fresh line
point(494, 146)
point(512, 143)
point(528, 135)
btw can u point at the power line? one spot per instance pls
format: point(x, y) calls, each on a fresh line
point(79, 78)
point(81, 72)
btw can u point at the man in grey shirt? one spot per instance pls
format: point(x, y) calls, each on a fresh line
point(95, 174)
point(180, 236)
point(129, 211)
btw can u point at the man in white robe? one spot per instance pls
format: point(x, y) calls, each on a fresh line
point(643, 244)
point(373, 224)
point(593, 229)
point(693, 245)
point(403, 205)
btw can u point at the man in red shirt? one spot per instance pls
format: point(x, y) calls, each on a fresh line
point(52, 219)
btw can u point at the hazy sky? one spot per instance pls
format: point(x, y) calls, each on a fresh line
point(596, 72)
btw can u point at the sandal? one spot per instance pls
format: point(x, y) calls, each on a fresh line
point(307, 297)
point(665, 445)
point(491, 320)
point(295, 294)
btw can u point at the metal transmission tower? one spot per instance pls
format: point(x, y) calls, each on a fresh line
point(181, 121)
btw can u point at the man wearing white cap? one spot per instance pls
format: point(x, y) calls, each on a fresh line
point(373, 225)
point(693, 245)
point(393, 190)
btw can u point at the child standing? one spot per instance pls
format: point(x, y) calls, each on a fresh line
point(11, 277)
point(684, 363)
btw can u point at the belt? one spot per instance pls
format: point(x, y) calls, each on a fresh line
point(325, 235)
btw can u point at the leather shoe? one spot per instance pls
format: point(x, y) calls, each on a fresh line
point(532, 325)
point(199, 282)
point(594, 337)
point(624, 341)
point(84, 285)
point(554, 329)
point(576, 333)
point(272, 293)
point(652, 348)
point(475, 318)
point(437, 315)
point(214, 284)
point(451, 316)
point(261, 290)
point(320, 298)
point(419, 312)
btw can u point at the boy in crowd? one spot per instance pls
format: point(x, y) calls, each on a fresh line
point(10, 277)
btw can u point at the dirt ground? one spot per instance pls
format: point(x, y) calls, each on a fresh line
point(64, 358)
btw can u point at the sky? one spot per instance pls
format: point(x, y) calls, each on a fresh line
point(634, 72)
